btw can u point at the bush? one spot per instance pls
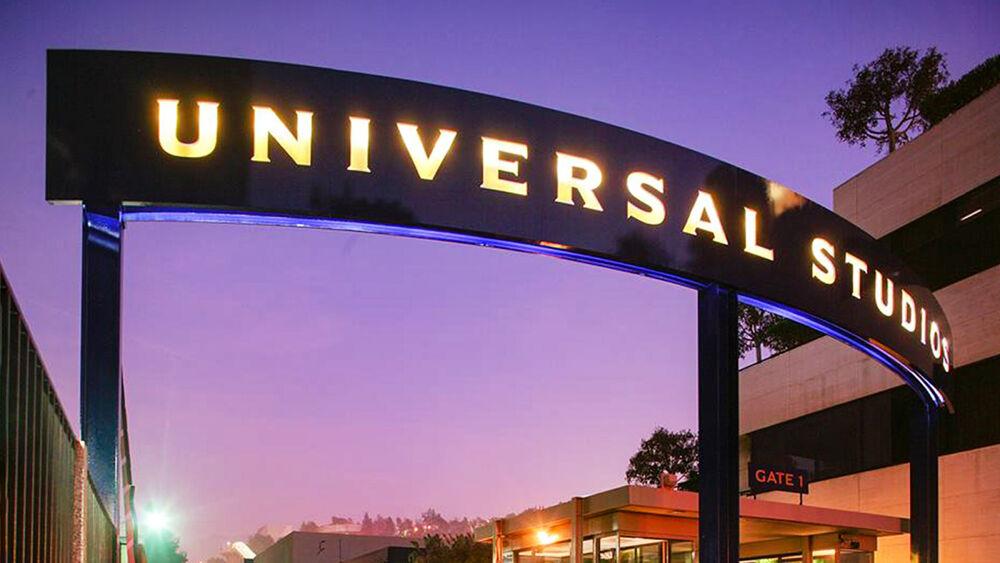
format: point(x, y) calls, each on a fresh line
point(954, 96)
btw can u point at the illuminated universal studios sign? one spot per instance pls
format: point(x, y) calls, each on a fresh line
point(198, 138)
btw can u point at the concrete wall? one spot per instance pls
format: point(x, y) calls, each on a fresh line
point(972, 306)
point(969, 501)
point(279, 552)
point(302, 547)
point(391, 554)
point(815, 376)
point(824, 372)
point(959, 154)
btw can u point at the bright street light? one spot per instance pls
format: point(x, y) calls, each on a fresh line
point(155, 520)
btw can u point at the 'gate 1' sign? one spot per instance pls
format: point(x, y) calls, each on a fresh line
point(767, 478)
point(195, 138)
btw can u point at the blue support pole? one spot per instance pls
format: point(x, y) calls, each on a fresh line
point(718, 427)
point(100, 350)
point(924, 483)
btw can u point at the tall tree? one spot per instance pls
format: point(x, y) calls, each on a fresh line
point(384, 526)
point(260, 540)
point(754, 330)
point(367, 525)
point(432, 522)
point(786, 334)
point(405, 527)
point(882, 102)
point(760, 330)
point(665, 451)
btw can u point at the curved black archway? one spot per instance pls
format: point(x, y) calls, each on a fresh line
point(157, 137)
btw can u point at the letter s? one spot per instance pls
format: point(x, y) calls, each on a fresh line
point(823, 268)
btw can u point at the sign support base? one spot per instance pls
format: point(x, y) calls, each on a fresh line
point(924, 424)
point(718, 426)
point(100, 350)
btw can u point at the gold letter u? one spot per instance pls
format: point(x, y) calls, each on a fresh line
point(208, 129)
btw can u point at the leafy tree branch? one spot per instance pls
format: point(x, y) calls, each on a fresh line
point(881, 103)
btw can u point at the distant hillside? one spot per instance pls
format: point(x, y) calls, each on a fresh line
point(429, 523)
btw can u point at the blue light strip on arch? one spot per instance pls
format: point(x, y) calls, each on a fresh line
point(924, 387)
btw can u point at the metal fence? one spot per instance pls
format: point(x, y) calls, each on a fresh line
point(102, 538)
point(47, 512)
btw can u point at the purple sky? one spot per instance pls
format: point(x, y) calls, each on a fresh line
point(281, 375)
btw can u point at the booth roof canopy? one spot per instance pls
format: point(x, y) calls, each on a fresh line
point(759, 519)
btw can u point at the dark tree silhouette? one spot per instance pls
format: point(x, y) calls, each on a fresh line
point(260, 540)
point(786, 334)
point(461, 548)
point(665, 451)
point(760, 330)
point(957, 94)
point(882, 102)
point(755, 330)
point(367, 525)
point(162, 547)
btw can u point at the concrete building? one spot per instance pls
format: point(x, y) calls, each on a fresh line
point(936, 201)
point(390, 554)
point(318, 547)
point(660, 525)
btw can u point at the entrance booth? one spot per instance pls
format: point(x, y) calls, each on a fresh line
point(635, 524)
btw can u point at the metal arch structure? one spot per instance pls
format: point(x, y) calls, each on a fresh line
point(162, 137)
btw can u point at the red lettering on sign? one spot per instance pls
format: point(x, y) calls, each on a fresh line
point(783, 479)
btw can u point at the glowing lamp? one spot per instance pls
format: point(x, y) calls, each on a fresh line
point(545, 538)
